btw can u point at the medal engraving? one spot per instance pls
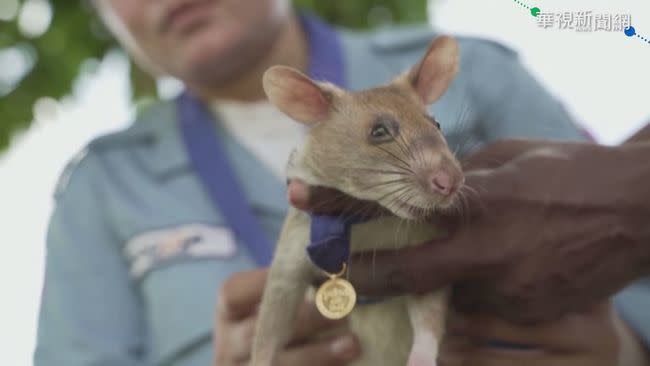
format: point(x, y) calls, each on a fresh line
point(336, 298)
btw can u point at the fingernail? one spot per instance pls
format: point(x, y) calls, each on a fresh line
point(344, 347)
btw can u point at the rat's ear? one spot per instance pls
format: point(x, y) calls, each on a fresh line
point(431, 77)
point(297, 95)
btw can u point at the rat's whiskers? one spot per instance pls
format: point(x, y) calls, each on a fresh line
point(402, 164)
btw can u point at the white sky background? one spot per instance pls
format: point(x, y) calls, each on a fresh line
point(602, 78)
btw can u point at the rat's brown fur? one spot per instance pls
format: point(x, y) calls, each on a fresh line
point(396, 173)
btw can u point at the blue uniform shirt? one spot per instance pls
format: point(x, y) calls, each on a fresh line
point(136, 252)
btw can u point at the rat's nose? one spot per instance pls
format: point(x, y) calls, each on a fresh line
point(443, 183)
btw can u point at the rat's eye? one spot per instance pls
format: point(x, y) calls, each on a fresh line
point(437, 125)
point(384, 129)
point(379, 131)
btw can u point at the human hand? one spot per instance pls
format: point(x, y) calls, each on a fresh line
point(548, 232)
point(316, 341)
point(596, 337)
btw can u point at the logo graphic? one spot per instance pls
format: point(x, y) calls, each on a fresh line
point(584, 21)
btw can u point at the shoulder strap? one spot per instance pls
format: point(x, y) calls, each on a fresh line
point(211, 164)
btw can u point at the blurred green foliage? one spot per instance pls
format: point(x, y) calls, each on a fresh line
point(75, 37)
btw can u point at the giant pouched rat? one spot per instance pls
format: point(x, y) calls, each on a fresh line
point(379, 145)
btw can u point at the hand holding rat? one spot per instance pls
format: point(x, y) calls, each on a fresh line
point(236, 317)
point(550, 230)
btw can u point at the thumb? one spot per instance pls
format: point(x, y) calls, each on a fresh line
point(500, 152)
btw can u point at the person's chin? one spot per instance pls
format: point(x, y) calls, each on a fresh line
point(205, 55)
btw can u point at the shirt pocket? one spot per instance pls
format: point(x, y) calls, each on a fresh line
point(179, 271)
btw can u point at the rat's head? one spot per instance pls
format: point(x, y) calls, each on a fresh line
point(378, 144)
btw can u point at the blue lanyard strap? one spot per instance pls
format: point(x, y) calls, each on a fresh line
point(219, 180)
point(329, 245)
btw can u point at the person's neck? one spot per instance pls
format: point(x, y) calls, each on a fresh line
point(290, 49)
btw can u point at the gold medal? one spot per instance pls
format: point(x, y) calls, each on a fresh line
point(336, 298)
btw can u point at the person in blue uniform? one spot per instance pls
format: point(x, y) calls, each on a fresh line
point(144, 265)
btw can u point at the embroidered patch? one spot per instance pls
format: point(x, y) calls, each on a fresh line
point(154, 248)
